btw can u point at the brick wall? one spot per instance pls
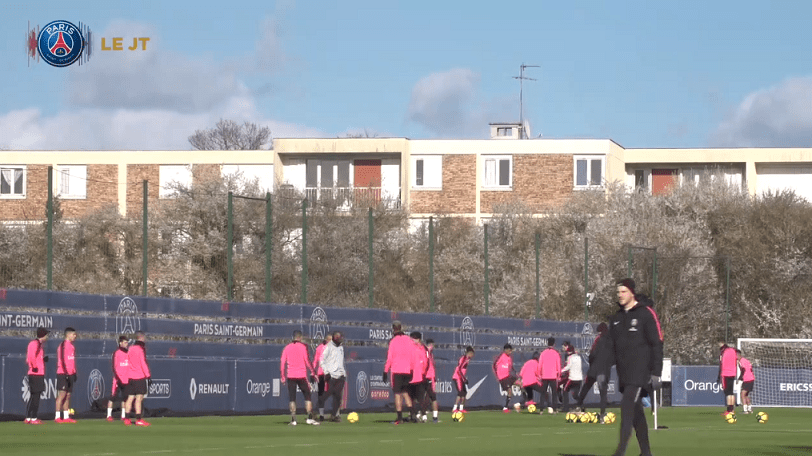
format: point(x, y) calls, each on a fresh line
point(135, 189)
point(32, 207)
point(458, 195)
point(539, 181)
point(206, 172)
point(101, 190)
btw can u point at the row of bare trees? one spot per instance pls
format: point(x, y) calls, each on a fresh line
point(697, 230)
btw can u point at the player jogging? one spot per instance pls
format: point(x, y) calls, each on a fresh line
point(597, 360)
point(636, 348)
point(65, 376)
point(332, 360)
point(548, 371)
point(530, 381)
point(460, 378)
point(431, 378)
point(748, 379)
point(293, 368)
point(35, 359)
point(139, 379)
point(121, 376)
point(575, 375)
point(320, 373)
point(399, 363)
point(417, 384)
point(503, 368)
point(728, 365)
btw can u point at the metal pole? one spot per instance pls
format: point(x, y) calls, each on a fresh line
point(487, 285)
point(538, 276)
point(371, 273)
point(431, 264)
point(586, 278)
point(654, 275)
point(629, 275)
point(727, 299)
point(49, 248)
point(145, 240)
point(268, 245)
point(304, 251)
point(230, 246)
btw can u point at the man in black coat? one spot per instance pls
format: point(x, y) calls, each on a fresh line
point(636, 348)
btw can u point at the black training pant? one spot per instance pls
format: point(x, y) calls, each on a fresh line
point(632, 414)
point(602, 387)
point(552, 387)
point(335, 388)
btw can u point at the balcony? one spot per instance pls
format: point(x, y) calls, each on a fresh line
point(345, 198)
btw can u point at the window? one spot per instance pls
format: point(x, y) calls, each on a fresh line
point(589, 171)
point(72, 181)
point(504, 131)
point(12, 181)
point(262, 174)
point(498, 171)
point(640, 180)
point(428, 172)
point(172, 176)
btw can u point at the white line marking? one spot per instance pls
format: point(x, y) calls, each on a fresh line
point(533, 434)
point(428, 439)
point(346, 443)
point(157, 451)
point(389, 441)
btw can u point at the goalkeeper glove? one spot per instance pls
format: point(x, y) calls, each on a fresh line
point(655, 382)
point(385, 377)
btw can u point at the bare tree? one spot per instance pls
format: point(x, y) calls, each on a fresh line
point(229, 135)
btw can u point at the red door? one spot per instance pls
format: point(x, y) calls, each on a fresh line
point(367, 182)
point(663, 180)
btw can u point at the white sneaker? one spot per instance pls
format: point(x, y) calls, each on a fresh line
point(550, 410)
point(312, 422)
point(292, 423)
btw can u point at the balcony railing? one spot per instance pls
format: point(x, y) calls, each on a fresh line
point(349, 197)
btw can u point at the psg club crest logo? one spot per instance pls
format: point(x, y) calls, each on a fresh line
point(60, 43)
point(95, 386)
point(362, 387)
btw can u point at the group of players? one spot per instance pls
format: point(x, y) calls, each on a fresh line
point(732, 367)
point(131, 377)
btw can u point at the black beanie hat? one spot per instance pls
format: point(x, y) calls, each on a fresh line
point(628, 283)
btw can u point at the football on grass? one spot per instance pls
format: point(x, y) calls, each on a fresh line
point(762, 417)
point(352, 417)
point(457, 416)
point(531, 408)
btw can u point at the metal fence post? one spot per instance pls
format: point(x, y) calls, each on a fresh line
point(487, 285)
point(629, 275)
point(431, 264)
point(586, 278)
point(538, 275)
point(145, 240)
point(268, 245)
point(304, 251)
point(727, 299)
point(230, 247)
point(49, 248)
point(371, 273)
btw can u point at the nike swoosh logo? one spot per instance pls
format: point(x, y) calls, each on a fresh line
point(473, 389)
point(615, 322)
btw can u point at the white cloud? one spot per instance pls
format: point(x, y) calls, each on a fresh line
point(449, 104)
point(779, 116)
point(147, 100)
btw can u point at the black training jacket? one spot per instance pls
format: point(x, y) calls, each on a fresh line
point(635, 345)
point(599, 357)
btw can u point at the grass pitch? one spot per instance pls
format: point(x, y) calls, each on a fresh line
point(690, 431)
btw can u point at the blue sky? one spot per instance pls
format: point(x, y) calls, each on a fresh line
point(645, 74)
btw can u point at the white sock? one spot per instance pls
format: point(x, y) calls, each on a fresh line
point(462, 406)
point(434, 414)
point(455, 408)
point(109, 412)
point(65, 414)
point(123, 413)
point(58, 416)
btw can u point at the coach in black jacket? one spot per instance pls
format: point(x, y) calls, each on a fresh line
point(636, 348)
point(599, 368)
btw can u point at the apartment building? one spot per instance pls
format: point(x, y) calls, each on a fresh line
point(466, 178)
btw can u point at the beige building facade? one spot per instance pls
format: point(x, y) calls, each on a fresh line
point(466, 178)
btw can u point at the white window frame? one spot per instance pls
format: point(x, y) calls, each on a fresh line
point(432, 172)
point(495, 161)
point(11, 169)
point(71, 181)
point(589, 159)
point(173, 173)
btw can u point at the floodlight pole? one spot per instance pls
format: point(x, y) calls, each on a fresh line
point(521, 79)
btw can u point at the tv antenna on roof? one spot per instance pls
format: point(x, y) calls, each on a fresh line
point(521, 79)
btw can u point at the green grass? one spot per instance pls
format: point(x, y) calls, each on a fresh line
point(691, 432)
